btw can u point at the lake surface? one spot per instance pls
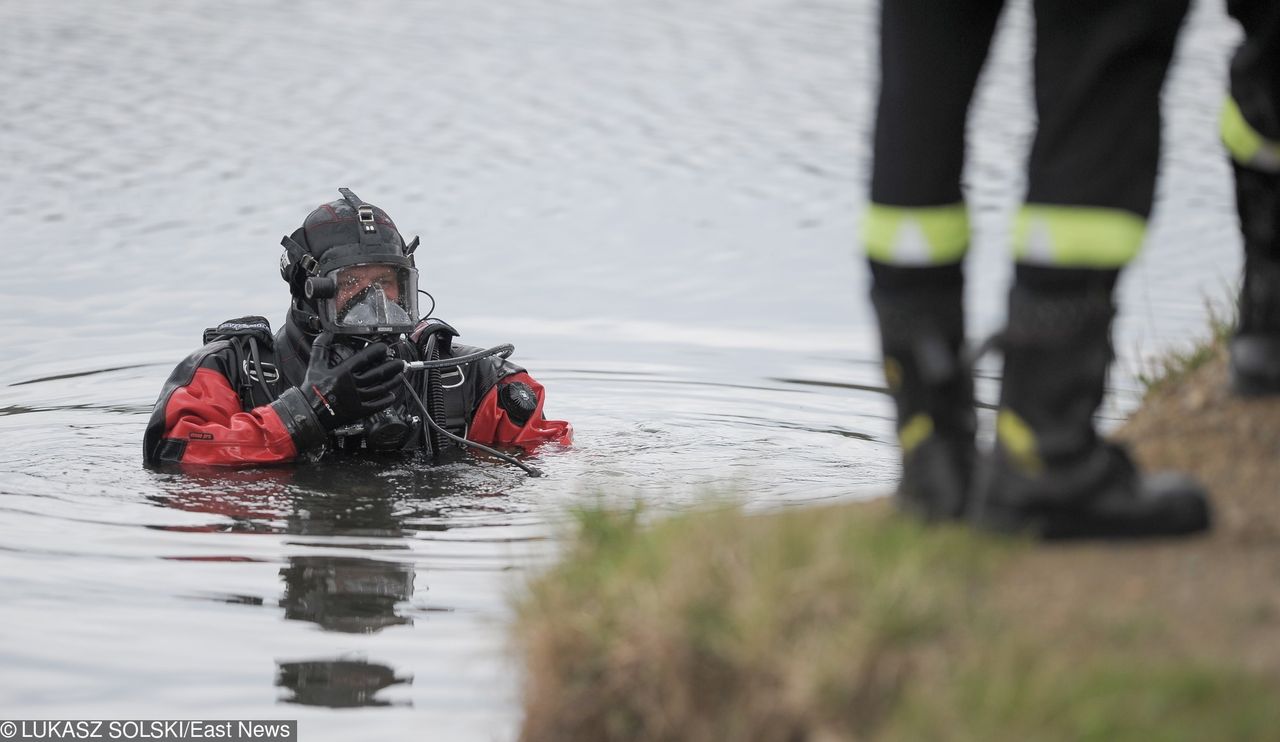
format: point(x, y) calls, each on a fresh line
point(657, 202)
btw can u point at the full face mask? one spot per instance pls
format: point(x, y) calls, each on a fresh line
point(351, 270)
point(367, 298)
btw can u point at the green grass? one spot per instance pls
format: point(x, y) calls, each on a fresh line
point(1176, 365)
point(1023, 692)
point(832, 623)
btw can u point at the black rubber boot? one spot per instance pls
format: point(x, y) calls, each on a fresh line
point(1050, 474)
point(1255, 348)
point(921, 317)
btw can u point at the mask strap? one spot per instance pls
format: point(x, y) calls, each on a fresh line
point(364, 217)
point(294, 255)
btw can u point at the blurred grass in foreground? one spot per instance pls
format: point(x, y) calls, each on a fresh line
point(832, 623)
point(1174, 366)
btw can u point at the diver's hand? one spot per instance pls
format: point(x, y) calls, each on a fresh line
point(334, 394)
point(353, 389)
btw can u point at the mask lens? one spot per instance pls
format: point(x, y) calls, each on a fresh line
point(375, 296)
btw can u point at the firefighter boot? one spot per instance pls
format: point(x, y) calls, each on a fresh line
point(1050, 474)
point(1255, 347)
point(921, 318)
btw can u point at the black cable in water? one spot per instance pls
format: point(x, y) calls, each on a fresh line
point(530, 470)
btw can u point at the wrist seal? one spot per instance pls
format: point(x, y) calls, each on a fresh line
point(300, 420)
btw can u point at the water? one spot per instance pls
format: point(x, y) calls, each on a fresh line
point(657, 203)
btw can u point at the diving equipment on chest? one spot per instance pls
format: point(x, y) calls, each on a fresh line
point(395, 428)
point(431, 411)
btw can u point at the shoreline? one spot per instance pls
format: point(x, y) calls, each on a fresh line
point(850, 622)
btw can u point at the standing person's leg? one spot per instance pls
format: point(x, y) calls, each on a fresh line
point(916, 232)
point(1251, 131)
point(1100, 65)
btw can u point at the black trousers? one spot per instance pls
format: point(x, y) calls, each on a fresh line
point(1255, 69)
point(1099, 67)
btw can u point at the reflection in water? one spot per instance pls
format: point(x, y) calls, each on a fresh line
point(347, 594)
point(359, 595)
point(337, 683)
point(366, 498)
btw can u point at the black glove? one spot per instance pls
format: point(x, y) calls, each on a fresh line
point(333, 395)
point(353, 389)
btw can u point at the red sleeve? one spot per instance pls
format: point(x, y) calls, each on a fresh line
point(491, 426)
point(206, 414)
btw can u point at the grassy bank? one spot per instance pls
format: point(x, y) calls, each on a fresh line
point(848, 622)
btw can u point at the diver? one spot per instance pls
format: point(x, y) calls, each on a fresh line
point(354, 370)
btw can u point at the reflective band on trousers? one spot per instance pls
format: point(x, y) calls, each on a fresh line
point(1245, 144)
point(1077, 236)
point(926, 235)
point(1019, 441)
point(916, 431)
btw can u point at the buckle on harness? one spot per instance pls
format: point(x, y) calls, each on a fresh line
point(310, 264)
point(365, 216)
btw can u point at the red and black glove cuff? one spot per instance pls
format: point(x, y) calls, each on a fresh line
point(300, 420)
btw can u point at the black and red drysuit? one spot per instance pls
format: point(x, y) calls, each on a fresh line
point(217, 408)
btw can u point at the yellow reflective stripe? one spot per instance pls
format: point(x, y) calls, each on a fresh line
point(1077, 236)
point(1245, 144)
point(892, 373)
point(1019, 440)
point(917, 429)
point(926, 235)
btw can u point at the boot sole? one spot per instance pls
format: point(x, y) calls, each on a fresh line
point(1253, 386)
point(1253, 368)
point(1064, 524)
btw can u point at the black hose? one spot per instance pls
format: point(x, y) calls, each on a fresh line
point(530, 470)
point(434, 390)
point(503, 351)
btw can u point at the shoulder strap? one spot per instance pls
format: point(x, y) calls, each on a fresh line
point(252, 326)
point(443, 331)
